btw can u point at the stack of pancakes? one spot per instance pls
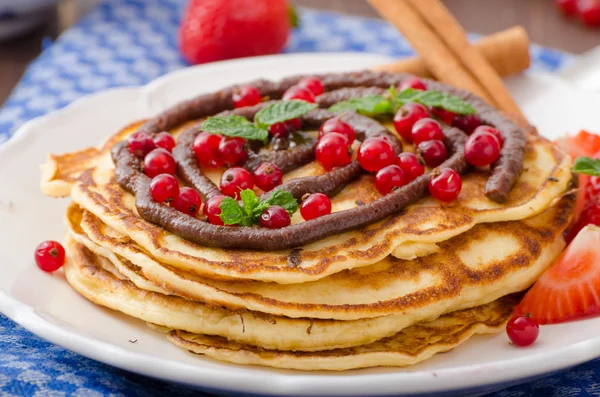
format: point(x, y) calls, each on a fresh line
point(391, 294)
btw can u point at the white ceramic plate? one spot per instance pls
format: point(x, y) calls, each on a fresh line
point(47, 306)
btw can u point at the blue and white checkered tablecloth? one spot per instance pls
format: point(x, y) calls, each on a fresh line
point(131, 42)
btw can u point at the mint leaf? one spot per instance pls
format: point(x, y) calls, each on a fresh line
point(370, 105)
point(282, 111)
point(587, 165)
point(233, 214)
point(279, 197)
point(250, 201)
point(435, 99)
point(234, 125)
point(247, 214)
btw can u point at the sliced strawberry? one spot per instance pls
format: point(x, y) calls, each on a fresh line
point(571, 287)
point(583, 144)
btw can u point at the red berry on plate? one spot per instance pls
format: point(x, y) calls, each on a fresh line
point(285, 128)
point(590, 215)
point(426, 130)
point(389, 178)
point(414, 83)
point(206, 148)
point(275, 217)
point(159, 161)
point(337, 125)
point(312, 84)
point(445, 185)
point(522, 330)
point(164, 188)
point(433, 153)
point(411, 165)
point(592, 190)
point(407, 116)
point(567, 7)
point(140, 144)
point(443, 115)
point(212, 209)
point(188, 201)
point(376, 153)
point(165, 141)
point(225, 29)
point(267, 176)
point(315, 206)
point(297, 92)
point(490, 130)
point(233, 150)
point(49, 256)
point(247, 95)
point(333, 150)
point(234, 180)
point(467, 123)
point(589, 12)
point(481, 149)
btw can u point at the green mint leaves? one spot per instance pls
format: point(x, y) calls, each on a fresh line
point(370, 105)
point(282, 111)
point(435, 99)
point(247, 214)
point(587, 165)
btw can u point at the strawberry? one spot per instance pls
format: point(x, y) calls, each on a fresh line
point(213, 30)
point(571, 287)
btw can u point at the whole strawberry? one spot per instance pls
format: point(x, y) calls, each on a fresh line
point(213, 30)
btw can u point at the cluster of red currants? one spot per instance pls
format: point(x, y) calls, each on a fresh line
point(588, 11)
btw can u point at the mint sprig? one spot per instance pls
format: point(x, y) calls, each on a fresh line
point(587, 166)
point(248, 213)
point(370, 105)
point(282, 111)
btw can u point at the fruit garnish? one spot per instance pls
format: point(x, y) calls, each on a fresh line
point(232, 213)
point(50, 256)
point(445, 184)
point(315, 205)
point(159, 161)
point(376, 153)
point(267, 176)
point(389, 178)
point(433, 152)
point(571, 287)
point(333, 150)
point(407, 116)
point(164, 188)
point(410, 164)
point(234, 180)
point(165, 141)
point(299, 93)
point(413, 82)
point(188, 201)
point(482, 148)
point(467, 122)
point(522, 330)
point(233, 150)
point(337, 125)
point(275, 217)
point(426, 129)
point(247, 95)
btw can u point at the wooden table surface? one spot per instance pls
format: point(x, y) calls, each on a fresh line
point(544, 24)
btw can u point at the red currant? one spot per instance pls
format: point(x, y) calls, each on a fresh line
point(427, 130)
point(206, 149)
point(312, 84)
point(284, 128)
point(389, 178)
point(159, 161)
point(49, 256)
point(433, 153)
point(375, 153)
point(188, 201)
point(267, 176)
point(522, 330)
point(413, 82)
point(482, 149)
point(234, 180)
point(233, 151)
point(246, 96)
point(567, 7)
point(411, 165)
point(589, 12)
point(443, 115)
point(164, 188)
point(490, 130)
point(140, 144)
point(445, 185)
point(333, 150)
point(165, 140)
point(467, 123)
point(212, 209)
point(407, 116)
point(275, 217)
point(337, 125)
point(314, 206)
point(297, 92)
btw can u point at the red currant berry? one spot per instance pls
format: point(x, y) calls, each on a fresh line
point(234, 180)
point(337, 125)
point(407, 116)
point(490, 130)
point(246, 96)
point(333, 150)
point(467, 123)
point(212, 209)
point(297, 92)
point(522, 330)
point(315, 205)
point(312, 84)
point(188, 201)
point(433, 153)
point(285, 128)
point(206, 148)
point(389, 178)
point(427, 130)
point(49, 256)
point(589, 12)
point(140, 144)
point(275, 217)
point(445, 185)
point(164, 188)
point(165, 140)
point(443, 115)
point(482, 149)
point(233, 151)
point(375, 153)
point(267, 176)
point(159, 161)
point(413, 82)
point(411, 165)
point(567, 7)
